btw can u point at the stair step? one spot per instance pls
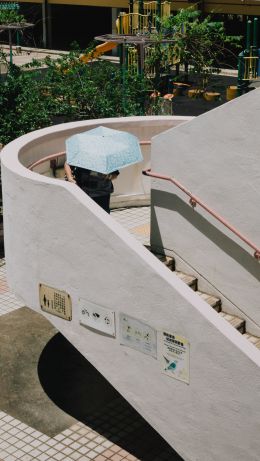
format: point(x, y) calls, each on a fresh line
point(190, 280)
point(213, 301)
point(235, 321)
point(168, 261)
point(253, 339)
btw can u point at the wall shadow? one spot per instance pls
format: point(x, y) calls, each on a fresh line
point(172, 202)
point(76, 387)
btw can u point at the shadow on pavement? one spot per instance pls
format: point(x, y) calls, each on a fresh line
point(74, 385)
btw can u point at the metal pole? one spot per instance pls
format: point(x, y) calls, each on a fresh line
point(255, 33)
point(44, 24)
point(10, 46)
point(248, 35)
point(141, 6)
point(158, 9)
point(123, 70)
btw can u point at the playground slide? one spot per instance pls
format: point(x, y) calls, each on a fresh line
point(100, 49)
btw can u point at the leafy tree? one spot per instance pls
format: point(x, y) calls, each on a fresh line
point(8, 17)
point(44, 92)
point(198, 43)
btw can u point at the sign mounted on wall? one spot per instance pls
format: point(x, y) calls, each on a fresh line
point(137, 335)
point(99, 318)
point(175, 352)
point(55, 302)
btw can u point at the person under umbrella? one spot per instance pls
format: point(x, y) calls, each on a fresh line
point(94, 157)
point(98, 186)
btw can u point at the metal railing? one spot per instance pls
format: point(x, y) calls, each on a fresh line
point(194, 200)
point(63, 153)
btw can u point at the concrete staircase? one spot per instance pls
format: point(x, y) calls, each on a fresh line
point(215, 302)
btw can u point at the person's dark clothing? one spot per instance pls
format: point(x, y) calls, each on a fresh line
point(97, 185)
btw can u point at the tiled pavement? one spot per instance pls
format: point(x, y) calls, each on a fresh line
point(136, 220)
point(116, 433)
point(8, 301)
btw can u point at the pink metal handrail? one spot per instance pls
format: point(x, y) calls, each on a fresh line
point(194, 200)
point(60, 154)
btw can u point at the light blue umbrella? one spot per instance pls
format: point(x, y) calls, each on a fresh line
point(103, 150)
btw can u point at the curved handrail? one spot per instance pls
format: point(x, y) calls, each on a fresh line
point(60, 154)
point(194, 200)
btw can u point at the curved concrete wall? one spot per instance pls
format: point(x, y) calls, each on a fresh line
point(216, 156)
point(131, 186)
point(56, 235)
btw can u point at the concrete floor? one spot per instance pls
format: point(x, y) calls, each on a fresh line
point(54, 405)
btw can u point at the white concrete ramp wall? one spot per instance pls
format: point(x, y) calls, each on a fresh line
point(130, 185)
point(56, 235)
point(217, 157)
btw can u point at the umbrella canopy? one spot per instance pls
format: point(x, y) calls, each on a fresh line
point(103, 150)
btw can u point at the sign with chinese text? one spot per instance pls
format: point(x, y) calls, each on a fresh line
point(55, 302)
point(175, 352)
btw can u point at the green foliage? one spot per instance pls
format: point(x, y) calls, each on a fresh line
point(43, 93)
point(198, 43)
point(11, 17)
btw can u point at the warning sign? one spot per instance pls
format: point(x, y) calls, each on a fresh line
point(175, 352)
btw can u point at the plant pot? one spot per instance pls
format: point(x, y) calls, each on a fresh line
point(231, 92)
point(195, 93)
point(179, 88)
point(211, 96)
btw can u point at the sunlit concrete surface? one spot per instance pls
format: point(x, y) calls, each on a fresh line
point(54, 405)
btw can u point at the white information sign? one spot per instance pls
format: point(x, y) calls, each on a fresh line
point(137, 335)
point(175, 356)
point(98, 317)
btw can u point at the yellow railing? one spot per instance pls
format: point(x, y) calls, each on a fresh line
point(150, 8)
point(251, 64)
point(135, 22)
point(132, 23)
point(132, 59)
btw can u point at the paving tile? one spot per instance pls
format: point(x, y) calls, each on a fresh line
point(44, 438)
point(3, 445)
point(43, 447)
point(75, 456)
point(59, 437)
point(43, 457)
point(51, 452)
point(83, 450)
point(91, 454)
point(59, 456)
point(67, 451)
point(11, 449)
point(91, 445)
point(107, 444)
point(75, 436)
point(99, 449)
point(84, 440)
point(108, 453)
point(27, 448)
point(59, 446)
point(18, 454)
point(26, 458)
point(10, 458)
point(75, 445)
point(115, 448)
point(51, 442)
point(35, 453)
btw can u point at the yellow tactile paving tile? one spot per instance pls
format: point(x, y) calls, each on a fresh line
point(144, 229)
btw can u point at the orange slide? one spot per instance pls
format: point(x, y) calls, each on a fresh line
point(100, 49)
